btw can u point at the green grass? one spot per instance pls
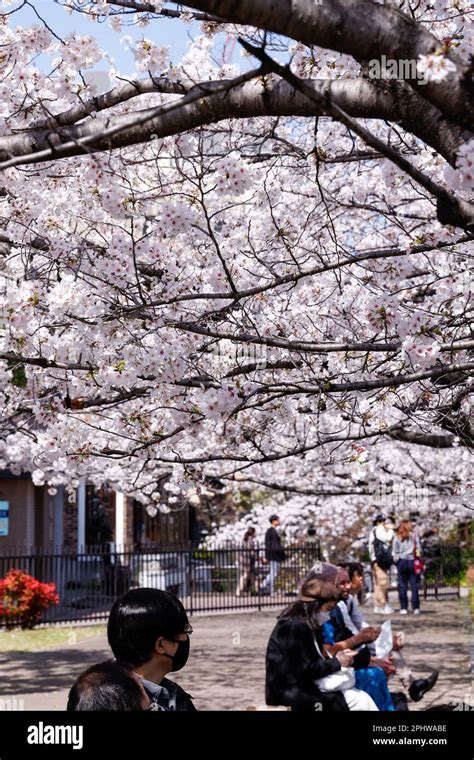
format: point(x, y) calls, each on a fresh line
point(46, 638)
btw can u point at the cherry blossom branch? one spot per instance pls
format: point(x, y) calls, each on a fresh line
point(297, 489)
point(146, 7)
point(294, 277)
point(451, 209)
point(44, 363)
point(248, 462)
point(85, 143)
point(395, 381)
point(117, 95)
point(309, 347)
point(204, 104)
point(362, 29)
point(433, 440)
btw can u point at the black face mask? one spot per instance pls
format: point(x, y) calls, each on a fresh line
point(180, 657)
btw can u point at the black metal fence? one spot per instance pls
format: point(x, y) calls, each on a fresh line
point(442, 574)
point(227, 578)
point(206, 580)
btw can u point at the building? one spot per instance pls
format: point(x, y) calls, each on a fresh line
point(30, 518)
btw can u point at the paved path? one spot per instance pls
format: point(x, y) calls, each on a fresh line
point(226, 667)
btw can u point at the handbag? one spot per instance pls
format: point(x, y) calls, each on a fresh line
point(418, 562)
point(342, 680)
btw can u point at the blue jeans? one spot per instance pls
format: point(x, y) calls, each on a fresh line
point(270, 579)
point(407, 577)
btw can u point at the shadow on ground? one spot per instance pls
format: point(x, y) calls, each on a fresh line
point(226, 668)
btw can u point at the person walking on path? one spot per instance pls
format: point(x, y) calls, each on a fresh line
point(274, 555)
point(247, 559)
point(380, 551)
point(407, 557)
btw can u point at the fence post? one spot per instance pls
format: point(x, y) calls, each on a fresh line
point(259, 598)
point(191, 579)
point(458, 563)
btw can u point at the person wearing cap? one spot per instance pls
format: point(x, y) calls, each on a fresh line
point(300, 672)
point(380, 543)
point(274, 555)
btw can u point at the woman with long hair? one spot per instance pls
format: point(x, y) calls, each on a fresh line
point(247, 560)
point(300, 672)
point(407, 557)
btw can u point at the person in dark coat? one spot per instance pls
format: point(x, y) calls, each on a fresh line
point(274, 555)
point(294, 662)
point(247, 559)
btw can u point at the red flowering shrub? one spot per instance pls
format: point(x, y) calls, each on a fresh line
point(23, 599)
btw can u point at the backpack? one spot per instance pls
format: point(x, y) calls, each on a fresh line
point(383, 554)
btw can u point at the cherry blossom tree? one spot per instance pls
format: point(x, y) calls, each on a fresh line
point(257, 269)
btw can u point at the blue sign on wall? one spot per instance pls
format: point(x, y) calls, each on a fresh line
point(4, 510)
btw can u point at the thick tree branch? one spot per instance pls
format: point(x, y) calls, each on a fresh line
point(206, 103)
point(306, 346)
point(434, 440)
point(362, 29)
point(144, 7)
point(451, 209)
point(99, 135)
point(395, 381)
point(119, 94)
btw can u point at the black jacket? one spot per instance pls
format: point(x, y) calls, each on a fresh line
point(273, 547)
point(292, 666)
point(184, 701)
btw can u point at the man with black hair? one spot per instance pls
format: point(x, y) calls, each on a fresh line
point(351, 602)
point(274, 555)
point(354, 620)
point(148, 631)
point(108, 687)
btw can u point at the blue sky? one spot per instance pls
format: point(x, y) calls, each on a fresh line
point(163, 31)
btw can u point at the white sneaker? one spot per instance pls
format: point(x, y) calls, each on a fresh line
point(387, 610)
point(379, 610)
point(416, 612)
point(403, 612)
